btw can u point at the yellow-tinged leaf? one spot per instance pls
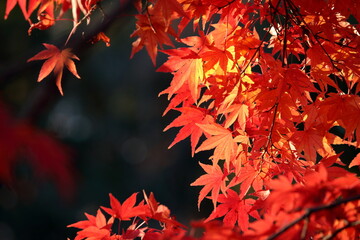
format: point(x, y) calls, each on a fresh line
point(239, 113)
point(221, 139)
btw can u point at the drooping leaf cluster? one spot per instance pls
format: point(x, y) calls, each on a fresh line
point(263, 85)
point(269, 88)
point(101, 228)
point(322, 208)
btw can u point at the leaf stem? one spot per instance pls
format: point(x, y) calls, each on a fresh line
point(78, 23)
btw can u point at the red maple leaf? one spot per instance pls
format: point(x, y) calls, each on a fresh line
point(152, 31)
point(10, 4)
point(214, 181)
point(310, 141)
point(95, 228)
point(56, 60)
point(127, 210)
point(167, 8)
point(98, 221)
point(248, 176)
point(160, 212)
point(235, 209)
point(189, 119)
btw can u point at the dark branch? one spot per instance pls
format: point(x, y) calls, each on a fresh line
point(337, 231)
point(312, 210)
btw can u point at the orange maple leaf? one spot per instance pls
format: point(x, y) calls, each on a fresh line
point(101, 36)
point(45, 21)
point(237, 113)
point(221, 139)
point(56, 59)
point(187, 68)
point(216, 56)
point(355, 161)
point(96, 227)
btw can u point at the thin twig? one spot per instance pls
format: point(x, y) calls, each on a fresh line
point(272, 125)
point(255, 53)
point(284, 59)
point(304, 229)
point(293, 8)
point(78, 24)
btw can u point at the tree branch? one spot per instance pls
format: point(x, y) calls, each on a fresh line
point(294, 9)
point(337, 231)
point(312, 210)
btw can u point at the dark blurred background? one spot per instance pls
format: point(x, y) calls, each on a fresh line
point(110, 121)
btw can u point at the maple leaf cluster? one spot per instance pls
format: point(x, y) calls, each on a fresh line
point(263, 85)
point(101, 228)
point(289, 211)
point(269, 88)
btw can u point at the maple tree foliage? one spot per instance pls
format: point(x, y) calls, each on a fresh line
point(268, 87)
